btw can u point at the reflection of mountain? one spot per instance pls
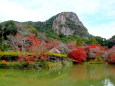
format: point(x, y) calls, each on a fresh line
point(93, 74)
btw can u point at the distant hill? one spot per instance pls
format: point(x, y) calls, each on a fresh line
point(13, 27)
point(62, 24)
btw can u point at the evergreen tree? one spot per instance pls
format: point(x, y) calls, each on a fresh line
point(93, 41)
point(79, 42)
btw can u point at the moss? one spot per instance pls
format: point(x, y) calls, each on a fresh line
point(16, 53)
point(58, 55)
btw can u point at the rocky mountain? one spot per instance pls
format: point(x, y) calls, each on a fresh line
point(64, 26)
point(68, 23)
point(65, 23)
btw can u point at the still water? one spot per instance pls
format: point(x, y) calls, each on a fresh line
point(78, 75)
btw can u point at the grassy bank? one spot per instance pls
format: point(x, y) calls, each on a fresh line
point(36, 65)
point(16, 53)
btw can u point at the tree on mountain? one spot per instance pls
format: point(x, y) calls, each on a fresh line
point(111, 41)
point(7, 28)
point(100, 40)
point(17, 42)
point(79, 42)
point(93, 41)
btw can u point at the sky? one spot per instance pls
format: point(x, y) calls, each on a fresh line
point(98, 16)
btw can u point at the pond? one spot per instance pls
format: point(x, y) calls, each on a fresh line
point(78, 75)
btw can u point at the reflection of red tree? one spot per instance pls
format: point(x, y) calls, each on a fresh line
point(77, 53)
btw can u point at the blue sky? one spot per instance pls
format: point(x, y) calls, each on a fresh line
point(97, 15)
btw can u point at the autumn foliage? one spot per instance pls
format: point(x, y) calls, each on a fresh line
point(4, 62)
point(77, 53)
point(94, 51)
point(40, 48)
point(110, 55)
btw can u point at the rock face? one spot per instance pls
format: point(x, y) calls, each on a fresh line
point(68, 23)
point(65, 23)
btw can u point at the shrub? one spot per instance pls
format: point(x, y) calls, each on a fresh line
point(109, 56)
point(78, 54)
point(94, 51)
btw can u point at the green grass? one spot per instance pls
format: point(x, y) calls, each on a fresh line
point(58, 55)
point(16, 53)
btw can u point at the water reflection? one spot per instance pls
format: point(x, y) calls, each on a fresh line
point(93, 74)
point(78, 75)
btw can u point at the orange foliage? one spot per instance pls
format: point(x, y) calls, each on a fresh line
point(4, 62)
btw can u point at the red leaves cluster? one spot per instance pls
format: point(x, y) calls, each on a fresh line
point(33, 39)
point(77, 53)
point(94, 51)
point(91, 46)
point(43, 56)
point(22, 43)
point(52, 44)
point(110, 55)
point(33, 44)
point(26, 58)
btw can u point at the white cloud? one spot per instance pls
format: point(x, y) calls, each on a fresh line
point(40, 10)
point(104, 30)
point(43, 9)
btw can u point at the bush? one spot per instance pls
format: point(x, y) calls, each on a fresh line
point(20, 65)
point(109, 56)
point(94, 51)
point(78, 54)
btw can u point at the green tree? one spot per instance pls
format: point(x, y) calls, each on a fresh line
point(111, 41)
point(93, 41)
point(100, 40)
point(79, 42)
point(5, 47)
point(7, 28)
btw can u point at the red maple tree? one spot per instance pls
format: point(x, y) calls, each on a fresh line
point(94, 51)
point(77, 53)
point(110, 55)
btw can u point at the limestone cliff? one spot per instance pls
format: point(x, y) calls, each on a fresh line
point(68, 23)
